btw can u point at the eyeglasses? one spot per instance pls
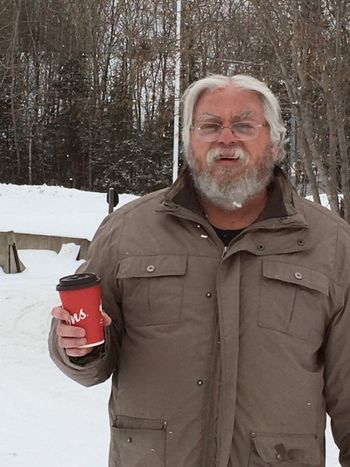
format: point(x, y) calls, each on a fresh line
point(243, 131)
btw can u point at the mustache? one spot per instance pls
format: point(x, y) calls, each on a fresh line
point(236, 153)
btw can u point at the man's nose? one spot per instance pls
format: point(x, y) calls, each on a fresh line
point(227, 136)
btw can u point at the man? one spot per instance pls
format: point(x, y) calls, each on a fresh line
point(227, 303)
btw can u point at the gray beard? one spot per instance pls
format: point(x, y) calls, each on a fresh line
point(225, 188)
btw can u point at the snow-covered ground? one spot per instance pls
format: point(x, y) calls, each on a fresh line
point(46, 419)
point(52, 210)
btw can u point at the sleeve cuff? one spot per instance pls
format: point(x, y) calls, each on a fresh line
point(97, 352)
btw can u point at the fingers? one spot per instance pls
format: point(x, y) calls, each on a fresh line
point(69, 342)
point(60, 313)
point(63, 315)
point(69, 337)
point(75, 352)
point(106, 319)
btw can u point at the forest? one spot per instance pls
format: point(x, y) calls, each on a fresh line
point(87, 86)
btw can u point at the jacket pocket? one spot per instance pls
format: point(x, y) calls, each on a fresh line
point(152, 288)
point(289, 449)
point(293, 300)
point(138, 442)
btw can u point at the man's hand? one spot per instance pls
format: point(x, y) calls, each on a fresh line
point(70, 337)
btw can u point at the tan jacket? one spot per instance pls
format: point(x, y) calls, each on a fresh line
point(222, 356)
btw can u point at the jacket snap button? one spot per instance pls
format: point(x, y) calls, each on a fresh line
point(260, 247)
point(130, 439)
point(301, 242)
point(208, 294)
point(150, 268)
point(200, 382)
point(298, 275)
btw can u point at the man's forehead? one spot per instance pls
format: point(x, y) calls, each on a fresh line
point(230, 101)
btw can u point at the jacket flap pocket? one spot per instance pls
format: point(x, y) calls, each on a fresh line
point(288, 448)
point(138, 442)
point(152, 266)
point(135, 423)
point(294, 274)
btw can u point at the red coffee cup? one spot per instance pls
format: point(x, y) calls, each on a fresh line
point(81, 296)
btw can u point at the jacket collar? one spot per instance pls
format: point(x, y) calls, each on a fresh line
point(183, 193)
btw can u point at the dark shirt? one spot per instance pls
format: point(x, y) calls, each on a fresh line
point(226, 235)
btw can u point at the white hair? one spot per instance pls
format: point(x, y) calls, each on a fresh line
point(270, 103)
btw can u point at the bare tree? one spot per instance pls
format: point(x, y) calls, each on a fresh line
point(87, 88)
point(315, 74)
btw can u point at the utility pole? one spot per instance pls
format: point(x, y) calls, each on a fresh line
point(293, 149)
point(177, 92)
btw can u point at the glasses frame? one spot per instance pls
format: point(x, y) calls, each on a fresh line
point(257, 126)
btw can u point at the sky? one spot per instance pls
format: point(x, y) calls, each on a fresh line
point(47, 419)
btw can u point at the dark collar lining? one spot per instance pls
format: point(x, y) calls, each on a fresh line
point(187, 196)
point(275, 206)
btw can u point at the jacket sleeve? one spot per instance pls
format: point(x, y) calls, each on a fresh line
point(337, 363)
point(102, 260)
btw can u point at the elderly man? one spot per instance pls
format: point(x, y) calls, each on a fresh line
point(227, 303)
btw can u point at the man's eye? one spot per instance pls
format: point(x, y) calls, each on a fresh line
point(209, 127)
point(244, 127)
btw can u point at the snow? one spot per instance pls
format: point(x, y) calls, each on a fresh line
point(47, 419)
point(324, 199)
point(47, 210)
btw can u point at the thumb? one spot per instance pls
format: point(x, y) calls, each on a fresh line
point(106, 319)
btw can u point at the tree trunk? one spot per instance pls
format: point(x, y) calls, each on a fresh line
point(13, 83)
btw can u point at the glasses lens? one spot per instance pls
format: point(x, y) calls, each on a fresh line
point(209, 131)
point(245, 130)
